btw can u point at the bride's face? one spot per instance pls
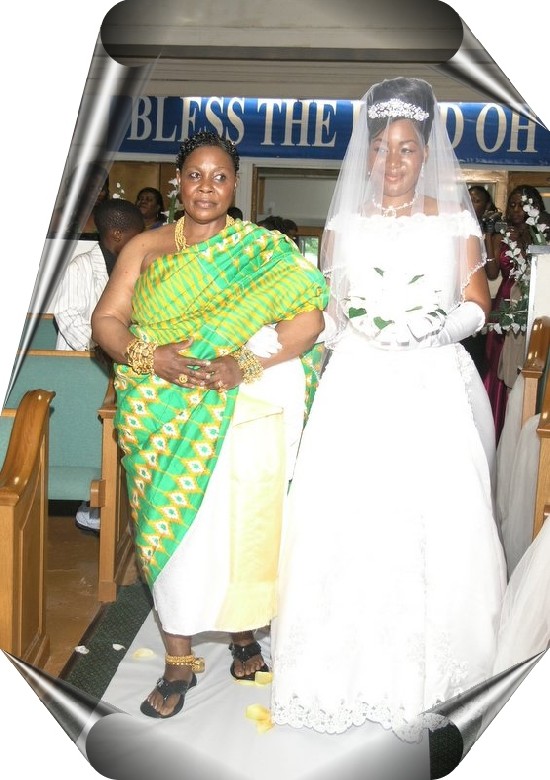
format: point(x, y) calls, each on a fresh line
point(395, 160)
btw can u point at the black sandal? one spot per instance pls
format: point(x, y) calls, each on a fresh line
point(168, 688)
point(244, 653)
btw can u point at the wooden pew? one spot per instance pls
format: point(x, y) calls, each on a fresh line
point(84, 455)
point(80, 382)
point(110, 493)
point(535, 367)
point(519, 451)
point(542, 500)
point(24, 527)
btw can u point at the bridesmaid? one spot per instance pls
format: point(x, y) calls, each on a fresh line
point(498, 262)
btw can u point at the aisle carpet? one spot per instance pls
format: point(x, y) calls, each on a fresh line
point(111, 670)
point(117, 624)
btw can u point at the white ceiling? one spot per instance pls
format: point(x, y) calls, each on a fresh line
point(326, 49)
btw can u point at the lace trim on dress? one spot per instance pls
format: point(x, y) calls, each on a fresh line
point(460, 224)
point(408, 730)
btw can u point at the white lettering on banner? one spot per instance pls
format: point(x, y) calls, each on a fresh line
point(270, 106)
point(322, 122)
point(211, 115)
point(146, 104)
point(286, 127)
point(459, 122)
point(190, 106)
point(529, 128)
point(235, 119)
point(302, 121)
point(501, 127)
point(160, 123)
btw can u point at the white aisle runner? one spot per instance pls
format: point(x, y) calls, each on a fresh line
point(213, 723)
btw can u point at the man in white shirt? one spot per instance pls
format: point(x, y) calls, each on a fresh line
point(84, 280)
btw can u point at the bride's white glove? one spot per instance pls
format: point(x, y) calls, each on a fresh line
point(468, 318)
point(434, 331)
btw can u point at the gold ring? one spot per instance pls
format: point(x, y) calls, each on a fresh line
point(221, 385)
point(182, 379)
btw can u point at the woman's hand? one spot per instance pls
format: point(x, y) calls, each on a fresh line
point(172, 364)
point(220, 374)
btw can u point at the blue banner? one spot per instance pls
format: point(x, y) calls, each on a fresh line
point(481, 133)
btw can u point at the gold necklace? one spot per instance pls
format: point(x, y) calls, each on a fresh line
point(179, 234)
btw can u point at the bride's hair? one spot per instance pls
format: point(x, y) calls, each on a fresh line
point(400, 98)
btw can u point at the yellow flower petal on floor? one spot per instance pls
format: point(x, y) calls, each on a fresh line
point(263, 725)
point(262, 716)
point(263, 678)
point(143, 652)
point(257, 712)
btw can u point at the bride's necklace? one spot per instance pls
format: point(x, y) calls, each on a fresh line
point(179, 233)
point(391, 211)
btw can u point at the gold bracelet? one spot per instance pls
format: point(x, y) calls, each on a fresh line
point(141, 356)
point(249, 364)
point(196, 664)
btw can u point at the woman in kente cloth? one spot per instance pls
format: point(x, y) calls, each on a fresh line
point(391, 568)
point(212, 323)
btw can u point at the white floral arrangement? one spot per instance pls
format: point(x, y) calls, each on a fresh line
point(119, 191)
point(512, 315)
point(393, 307)
point(173, 202)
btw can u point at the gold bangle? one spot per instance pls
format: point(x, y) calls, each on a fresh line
point(249, 364)
point(196, 664)
point(141, 356)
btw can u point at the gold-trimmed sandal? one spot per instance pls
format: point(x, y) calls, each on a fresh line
point(168, 688)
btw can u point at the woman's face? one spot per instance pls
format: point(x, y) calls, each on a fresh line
point(148, 205)
point(207, 184)
point(395, 159)
point(478, 202)
point(515, 215)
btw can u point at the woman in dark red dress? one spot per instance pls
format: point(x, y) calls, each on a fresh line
point(498, 261)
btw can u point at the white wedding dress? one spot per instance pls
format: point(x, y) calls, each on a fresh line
point(392, 573)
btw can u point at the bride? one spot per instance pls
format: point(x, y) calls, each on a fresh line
point(392, 573)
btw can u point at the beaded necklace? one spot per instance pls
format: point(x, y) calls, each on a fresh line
point(391, 211)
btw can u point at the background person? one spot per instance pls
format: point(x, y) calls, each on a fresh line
point(80, 288)
point(482, 203)
point(150, 202)
point(211, 323)
point(499, 262)
point(117, 221)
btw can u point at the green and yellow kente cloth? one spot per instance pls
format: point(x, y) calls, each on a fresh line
point(219, 292)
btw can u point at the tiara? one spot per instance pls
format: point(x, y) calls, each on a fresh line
point(396, 107)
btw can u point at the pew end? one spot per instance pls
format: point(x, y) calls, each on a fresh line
point(542, 500)
point(24, 528)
